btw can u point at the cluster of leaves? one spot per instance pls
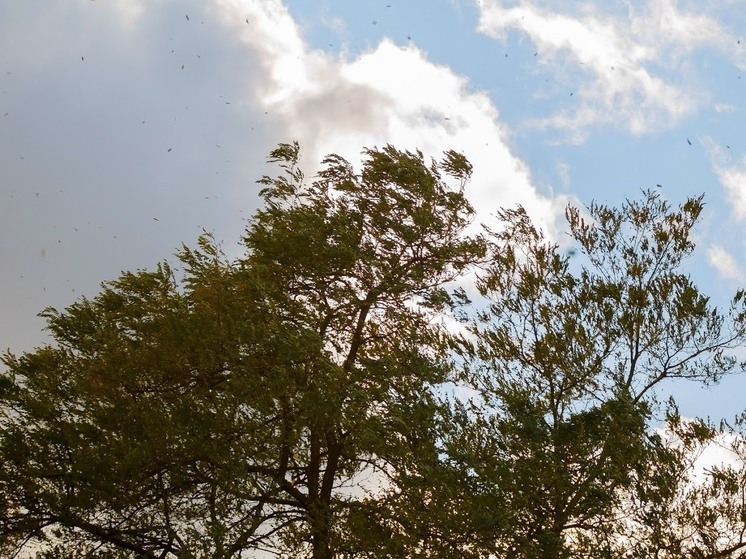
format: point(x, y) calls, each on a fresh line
point(290, 402)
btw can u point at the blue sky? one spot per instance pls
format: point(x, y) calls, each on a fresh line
point(126, 126)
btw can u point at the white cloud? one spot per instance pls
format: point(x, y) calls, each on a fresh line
point(719, 453)
point(389, 94)
point(724, 108)
point(615, 59)
point(724, 449)
point(731, 177)
point(733, 180)
point(724, 263)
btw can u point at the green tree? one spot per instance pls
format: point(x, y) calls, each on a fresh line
point(560, 448)
point(238, 408)
point(292, 401)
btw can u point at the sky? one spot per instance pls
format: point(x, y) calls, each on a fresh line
point(129, 126)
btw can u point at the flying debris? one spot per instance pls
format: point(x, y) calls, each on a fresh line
point(169, 149)
point(247, 20)
point(182, 66)
point(156, 219)
point(659, 185)
point(186, 16)
point(375, 22)
point(688, 141)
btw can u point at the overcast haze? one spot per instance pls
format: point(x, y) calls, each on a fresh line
point(126, 126)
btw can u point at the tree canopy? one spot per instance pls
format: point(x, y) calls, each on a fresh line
point(333, 392)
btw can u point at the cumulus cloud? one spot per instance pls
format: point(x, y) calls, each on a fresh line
point(627, 67)
point(388, 94)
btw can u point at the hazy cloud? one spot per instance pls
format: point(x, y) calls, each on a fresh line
point(724, 263)
point(724, 108)
point(132, 124)
point(732, 177)
point(128, 128)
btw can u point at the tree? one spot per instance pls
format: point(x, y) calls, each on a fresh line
point(292, 401)
point(559, 448)
point(225, 412)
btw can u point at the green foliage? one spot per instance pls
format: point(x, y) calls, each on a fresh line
point(291, 402)
point(223, 413)
point(567, 360)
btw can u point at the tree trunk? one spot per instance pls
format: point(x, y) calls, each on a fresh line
point(320, 532)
